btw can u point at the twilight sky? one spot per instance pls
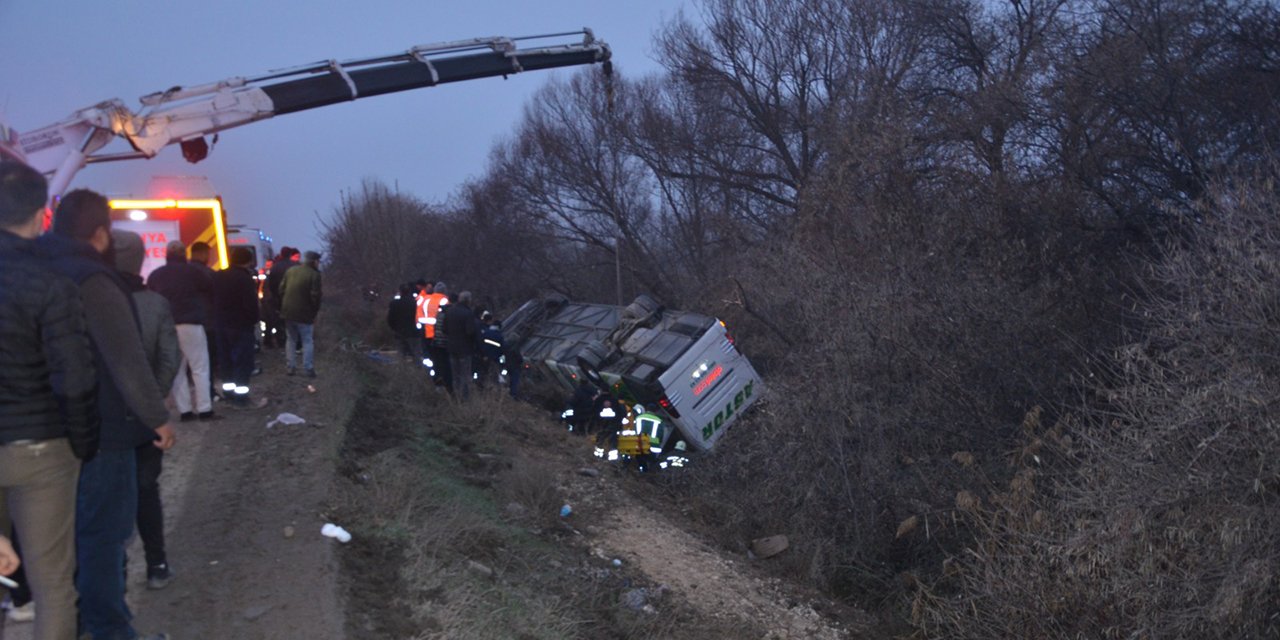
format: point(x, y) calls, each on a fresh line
point(57, 56)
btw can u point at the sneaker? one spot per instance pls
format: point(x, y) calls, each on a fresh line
point(25, 613)
point(187, 416)
point(158, 577)
point(311, 373)
point(291, 371)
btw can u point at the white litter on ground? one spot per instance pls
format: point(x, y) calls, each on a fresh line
point(286, 418)
point(334, 531)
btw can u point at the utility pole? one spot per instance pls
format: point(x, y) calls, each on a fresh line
point(617, 265)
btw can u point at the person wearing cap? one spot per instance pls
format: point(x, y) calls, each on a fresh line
point(160, 342)
point(235, 315)
point(189, 290)
point(300, 296)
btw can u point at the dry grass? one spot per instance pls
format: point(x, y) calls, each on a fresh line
point(432, 488)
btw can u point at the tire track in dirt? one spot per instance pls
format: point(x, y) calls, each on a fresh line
point(715, 583)
point(704, 578)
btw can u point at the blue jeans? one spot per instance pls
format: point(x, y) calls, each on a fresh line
point(296, 331)
point(106, 504)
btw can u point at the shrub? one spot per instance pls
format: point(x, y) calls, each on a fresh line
point(1164, 523)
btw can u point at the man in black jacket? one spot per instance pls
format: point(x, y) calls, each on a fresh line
point(129, 401)
point(235, 294)
point(47, 401)
point(287, 259)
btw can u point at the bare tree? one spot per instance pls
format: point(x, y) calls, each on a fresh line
point(570, 169)
point(375, 237)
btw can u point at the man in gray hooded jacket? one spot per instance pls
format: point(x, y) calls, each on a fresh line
point(160, 342)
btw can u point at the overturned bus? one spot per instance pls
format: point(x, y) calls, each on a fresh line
point(679, 373)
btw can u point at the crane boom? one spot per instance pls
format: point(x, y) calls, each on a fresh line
point(186, 114)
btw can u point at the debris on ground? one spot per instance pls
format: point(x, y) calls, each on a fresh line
point(286, 419)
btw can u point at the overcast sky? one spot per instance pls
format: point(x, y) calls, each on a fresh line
point(60, 56)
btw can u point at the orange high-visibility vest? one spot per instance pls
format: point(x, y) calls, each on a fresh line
point(421, 304)
point(433, 304)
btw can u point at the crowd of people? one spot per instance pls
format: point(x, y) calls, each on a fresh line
point(92, 357)
point(456, 345)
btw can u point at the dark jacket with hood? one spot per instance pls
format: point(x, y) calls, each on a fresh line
point(129, 402)
point(48, 387)
point(187, 287)
point(155, 317)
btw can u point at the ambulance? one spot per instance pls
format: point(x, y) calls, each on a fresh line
point(184, 208)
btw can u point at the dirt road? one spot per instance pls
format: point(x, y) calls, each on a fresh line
point(230, 489)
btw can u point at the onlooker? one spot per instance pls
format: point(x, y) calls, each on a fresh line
point(189, 290)
point(155, 315)
point(199, 257)
point(461, 339)
point(160, 342)
point(48, 408)
point(401, 320)
point(8, 558)
point(235, 316)
point(300, 295)
point(20, 606)
point(271, 293)
point(131, 405)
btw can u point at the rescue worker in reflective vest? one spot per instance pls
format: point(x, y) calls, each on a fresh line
point(651, 426)
point(490, 348)
point(582, 404)
point(607, 414)
point(422, 289)
point(432, 305)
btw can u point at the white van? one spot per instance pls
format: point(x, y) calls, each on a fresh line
point(256, 242)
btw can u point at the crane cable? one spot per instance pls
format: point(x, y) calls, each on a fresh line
point(607, 67)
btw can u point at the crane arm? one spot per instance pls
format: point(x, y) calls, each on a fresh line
point(186, 114)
